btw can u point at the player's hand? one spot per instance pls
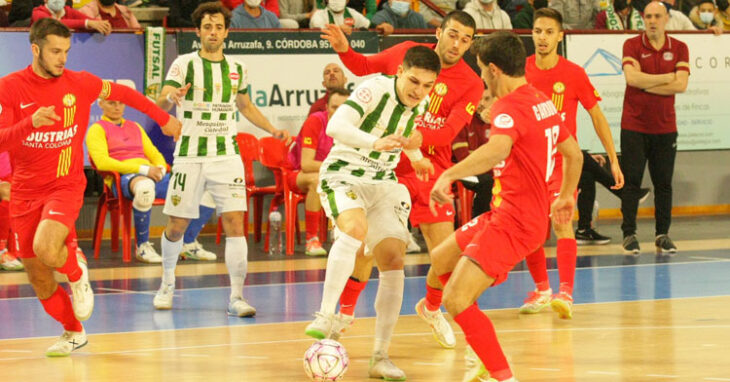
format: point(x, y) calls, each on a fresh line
point(424, 169)
point(384, 28)
point(346, 29)
point(618, 176)
point(414, 141)
point(155, 173)
point(562, 209)
point(4, 191)
point(440, 193)
point(101, 26)
point(282, 135)
point(390, 142)
point(716, 29)
point(45, 116)
point(600, 159)
point(336, 37)
point(172, 128)
point(179, 94)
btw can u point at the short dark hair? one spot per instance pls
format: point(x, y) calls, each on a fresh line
point(619, 5)
point(47, 27)
point(723, 5)
point(706, 1)
point(422, 57)
point(503, 49)
point(462, 17)
point(211, 8)
point(339, 91)
point(549, 13)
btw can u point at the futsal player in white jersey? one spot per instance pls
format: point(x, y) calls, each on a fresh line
point(208, 89)
point(360, 192)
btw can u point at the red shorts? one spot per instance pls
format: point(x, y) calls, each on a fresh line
point(420, 196)
point(496, 247)
point(25, 215)
point(291, 180)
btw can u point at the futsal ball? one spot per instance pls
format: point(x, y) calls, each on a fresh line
point(326, 360)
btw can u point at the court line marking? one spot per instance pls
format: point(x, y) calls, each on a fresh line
point(602, 372)
point(429, 363)
point(709, 258)
point(252, 357)
point(543, 369)
point(124, 291)
point(662, 376)
point(716, 379)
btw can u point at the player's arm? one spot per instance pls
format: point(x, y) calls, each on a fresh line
point(561, 210)
point(603, 131)
point(343, 128)
point(679, 85)
point(309, 164)
point(99, 152)
point(4, 190)
point(460, 116)
point(357, 63)
point(638, 79)
point(171, 95)
point(12, 133)
point(253, 114)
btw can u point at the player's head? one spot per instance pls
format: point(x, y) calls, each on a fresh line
point(212, 21)
point(500, 56)
point(113, 110)
point(50, 42)
point(455, 36)
point(656, 17)
point(621, 7)
point(333, 77)
point(485, 103)
point(547, 31)
point(337, 97)
point(417, 75)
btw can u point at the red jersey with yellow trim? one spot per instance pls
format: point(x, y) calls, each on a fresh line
point(452, 104)
point(519, 195)
point(49, 158)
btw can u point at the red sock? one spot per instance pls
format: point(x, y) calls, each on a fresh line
point(482, 337)
point(433, 298)
point(567, 254)
point(538, 269)
point(59, 307)
point(311, 220)
point(4, 221)
point(71, 268)
point(349, 296)
point(444, 279)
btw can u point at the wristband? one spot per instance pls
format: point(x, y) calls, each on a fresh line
point(169, 98)
point(144, 170)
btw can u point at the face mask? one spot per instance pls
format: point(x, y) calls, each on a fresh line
point(106, 3)
point(707, 17)
point(336, 6)
point(486, 1)
point(400, 7)
point(253, 3)
point(56, 5)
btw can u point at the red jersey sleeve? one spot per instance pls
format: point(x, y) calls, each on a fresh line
point(631, 50)
point(382, 62)
point(310, 133)
point(587, 94)
point(12, 132)
point(460, 116)
point(682, 56)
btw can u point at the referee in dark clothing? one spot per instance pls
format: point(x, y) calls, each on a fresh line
point(656, 68)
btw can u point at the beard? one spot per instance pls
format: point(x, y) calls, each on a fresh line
point(47, 68)
point(212, 47)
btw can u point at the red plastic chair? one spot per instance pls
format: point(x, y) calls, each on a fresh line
point(273, 154)
point(248, 146)
point(464, 203)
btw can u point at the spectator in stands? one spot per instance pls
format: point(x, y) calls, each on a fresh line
point(20, 12)
point(469, 139)
point(298, 10)
point(367, 7)
point(432, 17)
point(117, 15)
point(488, 15)
point(252, 15)
point(181, 11)
point(678, 21)
point(705, 16)
point(656, 67)
point(577, 14)
point(524, 18)
point(70, 17)
point(120, 145)
point(618, 16)
point(305, 157)
point(333, 78)
point(270, 5)
point(337, 12)
point(723, 14)
point(397, 14)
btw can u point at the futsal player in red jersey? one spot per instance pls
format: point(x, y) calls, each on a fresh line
point(527, 132)
point(44, 113)
point(567, 84)
point(453, 101)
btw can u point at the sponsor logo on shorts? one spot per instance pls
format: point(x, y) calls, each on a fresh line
point(449, 213)
point(351, 194)
point(52, 212)
point(175, 199)
point(238, 180)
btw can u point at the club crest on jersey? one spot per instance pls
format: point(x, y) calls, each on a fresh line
point(69, 110)
point(558, 87)
point(351, 194)
point(440, 89)
point(364, 95)
point(175, 199)
point(668, 56)
point(504, 121)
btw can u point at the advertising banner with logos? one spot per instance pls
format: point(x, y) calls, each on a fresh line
point(703, 115)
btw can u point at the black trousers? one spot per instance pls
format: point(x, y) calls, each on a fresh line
point(660, 151)
point(592, 173)
point(482, 193)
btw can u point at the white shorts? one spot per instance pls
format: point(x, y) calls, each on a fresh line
point(223, 179)
point(386, 205)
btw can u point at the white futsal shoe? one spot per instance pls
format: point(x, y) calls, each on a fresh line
point(83, 295)
point(241, 308)
point(321, 327)
point(382, 367)
point(340, 323)
point(440, 328)
point(163, 298)
point(68, 342)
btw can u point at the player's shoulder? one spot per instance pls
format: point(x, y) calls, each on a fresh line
point(234, 61)
point(379, 84)
point(633, 41)
point(676, 44)
point(571, 67)
point(466, 72)
point(183, 59)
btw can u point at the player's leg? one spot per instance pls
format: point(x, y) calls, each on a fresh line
point(306, 183)
point(355, 285)
point(661, 155)
point(567, 253)
point(540, 298)
point(141, 190)
point(633, 161)
point(192, 249)
point(8, 261)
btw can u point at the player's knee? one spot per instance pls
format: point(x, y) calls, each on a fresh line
point(454, 302)
point(44, 287)
point(355, 230)
point(46, 252)
point(144, 194)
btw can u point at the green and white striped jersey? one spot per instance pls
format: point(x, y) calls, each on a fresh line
point(208, 112)
point(375, 109)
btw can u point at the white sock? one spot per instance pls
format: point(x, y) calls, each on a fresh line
point(170, 252)
point(340, 264)
point(388, 302)
point(237, 263)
